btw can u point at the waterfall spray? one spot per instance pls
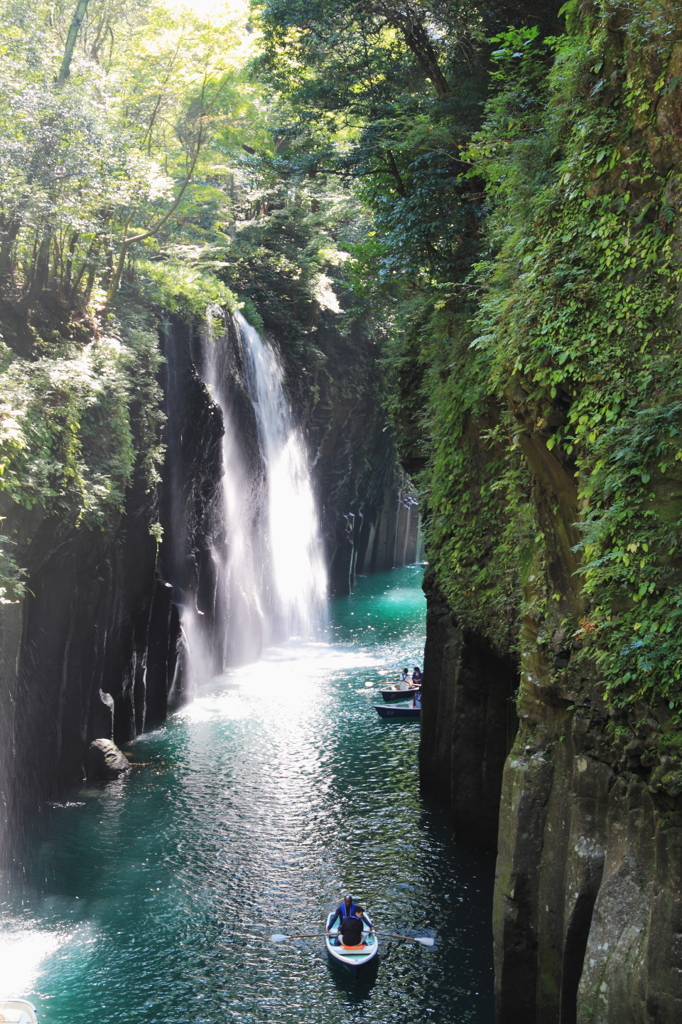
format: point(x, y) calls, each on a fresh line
point(265, 546)
point(297, 579)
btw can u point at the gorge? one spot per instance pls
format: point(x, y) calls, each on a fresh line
point(297, 293)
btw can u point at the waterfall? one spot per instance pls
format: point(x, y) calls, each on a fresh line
point(265, 545)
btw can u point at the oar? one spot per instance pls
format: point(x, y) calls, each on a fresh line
point(281, 938)
point(409, 938)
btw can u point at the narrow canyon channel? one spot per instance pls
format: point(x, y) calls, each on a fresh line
point(251, 811)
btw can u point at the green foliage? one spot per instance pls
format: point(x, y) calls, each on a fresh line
point(184, 288)
point(580, 318)
point(12, 576)
point(92, 167)
point(386, 98)
point(481, 523)
point(531, 346)
point(71, 425)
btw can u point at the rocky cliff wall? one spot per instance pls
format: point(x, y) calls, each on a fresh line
point(588, 908)
point(581, 349)
point(370, 514)
point(94, 648)
point(588, 893)
point(76, 651)
point(468, 722)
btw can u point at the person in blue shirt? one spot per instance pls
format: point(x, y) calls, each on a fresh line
point(347, 909)
point(416, 676)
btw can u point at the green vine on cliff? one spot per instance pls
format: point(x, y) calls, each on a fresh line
point(579, 323)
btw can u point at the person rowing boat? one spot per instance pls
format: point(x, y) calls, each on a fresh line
point(347, 908)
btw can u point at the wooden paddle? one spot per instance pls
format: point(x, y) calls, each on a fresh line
point(409, 938)
point(317, 935)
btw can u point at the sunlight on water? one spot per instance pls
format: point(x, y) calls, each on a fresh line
point(22, 952)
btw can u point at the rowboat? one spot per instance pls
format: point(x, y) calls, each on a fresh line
point(404, 710)
point(17, 1011)
point(392, 693)
point(352, 959)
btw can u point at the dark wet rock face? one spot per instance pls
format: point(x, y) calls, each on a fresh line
point(103, 760)
point(94, 650)
point(588, 894)
point(588, 907)
point(370, 515)
point(468, 723)
point(189, 490)
point(79, 669)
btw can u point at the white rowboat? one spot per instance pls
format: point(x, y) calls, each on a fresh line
point(352, 959)
point(17, 1011)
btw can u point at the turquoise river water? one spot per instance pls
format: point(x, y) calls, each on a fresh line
point(151, 900)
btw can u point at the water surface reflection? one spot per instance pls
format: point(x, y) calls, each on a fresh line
point(255, 808)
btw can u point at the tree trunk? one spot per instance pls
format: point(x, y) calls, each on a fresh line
point(74, 29)
point(8, 234)
point(417, 39)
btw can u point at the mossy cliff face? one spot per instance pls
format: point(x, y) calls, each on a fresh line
point(569, 376)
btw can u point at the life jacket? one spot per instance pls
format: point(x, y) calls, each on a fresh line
point(341, 912)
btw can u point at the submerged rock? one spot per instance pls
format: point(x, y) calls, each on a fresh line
point(104, 760)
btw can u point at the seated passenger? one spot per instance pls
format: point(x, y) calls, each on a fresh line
point(350, 933)
point(416, 676)
point(417, 699)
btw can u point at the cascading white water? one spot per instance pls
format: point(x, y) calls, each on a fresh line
point(297, 581)
point(271, 581)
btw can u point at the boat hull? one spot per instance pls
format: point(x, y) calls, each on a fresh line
point(405, 710)
point(18, 1011)
point(391, 695)
point(352, 960)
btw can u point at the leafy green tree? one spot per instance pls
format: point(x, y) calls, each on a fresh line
point(388, 94)
point(105, 110)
